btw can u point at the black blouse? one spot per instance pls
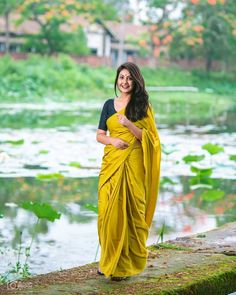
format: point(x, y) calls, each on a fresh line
point(107, 111)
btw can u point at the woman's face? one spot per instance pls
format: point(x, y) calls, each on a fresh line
point(125, 82)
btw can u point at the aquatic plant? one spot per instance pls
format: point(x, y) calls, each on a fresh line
point(21, 270)
point(50, 176)
point(161, 234)
point(193, 158)
point(213, 149)
point(232, 157)
point(212, 195)
point(14, 142)
point(75, 164)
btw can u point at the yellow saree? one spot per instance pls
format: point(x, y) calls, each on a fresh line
point(127, 195)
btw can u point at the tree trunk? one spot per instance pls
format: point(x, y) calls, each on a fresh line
point(7, 32)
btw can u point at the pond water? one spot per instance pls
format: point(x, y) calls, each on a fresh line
point(71, 150)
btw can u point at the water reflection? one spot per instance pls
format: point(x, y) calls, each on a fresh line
point(75, 234)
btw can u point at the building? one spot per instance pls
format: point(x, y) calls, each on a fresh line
point(110, 40)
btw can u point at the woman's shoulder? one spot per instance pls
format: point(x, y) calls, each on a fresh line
point(108, 103)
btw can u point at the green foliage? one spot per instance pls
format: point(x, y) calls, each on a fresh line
point(43, 152)
point(193, 158)
point(6, 6)
point(206, 31)
point(50, 176)
point(202, 178)
point(166, 180)
point(232, 157)
point(75, 164)
point(51, 79)
point(64, 42)
point(14, 142)
point(43, 210)
point(59, 27)
point(213, 149)
point(92, 208)
point(76, 43)
point(212, 195)
point(169, 246)
point(202, 172)
point(161, 234)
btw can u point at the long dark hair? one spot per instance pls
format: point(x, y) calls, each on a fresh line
point(137, 107)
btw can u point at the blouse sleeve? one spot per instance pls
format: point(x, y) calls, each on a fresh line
point(103, 118)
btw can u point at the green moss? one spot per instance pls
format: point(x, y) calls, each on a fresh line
point(168, 246)
point(211, 279)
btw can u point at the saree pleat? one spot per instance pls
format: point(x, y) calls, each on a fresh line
point(127, 195)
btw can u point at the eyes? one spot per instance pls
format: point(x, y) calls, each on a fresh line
point(129, 78)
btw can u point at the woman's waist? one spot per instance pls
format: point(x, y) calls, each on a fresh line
point(128, 137)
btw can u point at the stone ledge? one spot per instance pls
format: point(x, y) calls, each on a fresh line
point(199, 270)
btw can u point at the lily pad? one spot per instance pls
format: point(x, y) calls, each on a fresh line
point(212, 195)
point(202, 171)
point(43, 152)
point(42, 210)
point(167, 180)
point(213, 149)
point(51, 176)
point(75, 164)
point(232, 157)
point(14, 142)
point(193, 158)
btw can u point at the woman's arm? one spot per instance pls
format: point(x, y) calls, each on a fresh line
point(137, 132)
point(116, 142)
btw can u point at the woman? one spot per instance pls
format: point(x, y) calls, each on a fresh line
point(129, 176)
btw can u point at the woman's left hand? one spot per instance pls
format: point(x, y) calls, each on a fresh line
point(123, 120)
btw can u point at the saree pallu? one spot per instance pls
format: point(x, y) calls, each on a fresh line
point(127, 195)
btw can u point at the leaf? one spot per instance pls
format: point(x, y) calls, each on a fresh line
point(92, 207)
point(167, 180)
point(15, 142)
point(213, 149)
point(212, 195)
point(41, 210)
point(43, 152)
point(201, 171)
point(232, 157)
point(51, 176)
point(201, 181)
point(1, 215)
point(166, 151)
point(193, 158)
point(75, 164)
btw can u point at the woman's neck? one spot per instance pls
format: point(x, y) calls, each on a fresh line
point(124, 97)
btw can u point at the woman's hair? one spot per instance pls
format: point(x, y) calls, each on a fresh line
point(137, 107)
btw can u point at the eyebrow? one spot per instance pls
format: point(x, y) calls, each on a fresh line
point(125, 75)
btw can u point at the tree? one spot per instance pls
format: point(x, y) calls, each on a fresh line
point(52, 16)
point(6, 7)
point(161, 25)
point(208, 29)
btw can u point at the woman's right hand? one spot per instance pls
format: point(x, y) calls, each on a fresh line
point(118, 143)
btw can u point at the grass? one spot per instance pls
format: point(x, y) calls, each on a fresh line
point(40, 79)
point(46, 79)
